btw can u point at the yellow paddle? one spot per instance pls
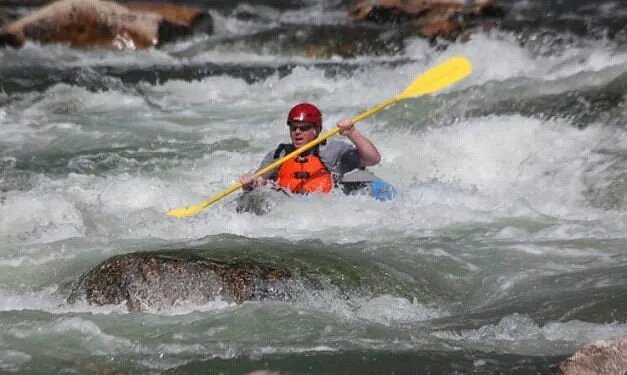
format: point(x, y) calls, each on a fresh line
point(437, 78)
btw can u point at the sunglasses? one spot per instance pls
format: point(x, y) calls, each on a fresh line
point(302, 128)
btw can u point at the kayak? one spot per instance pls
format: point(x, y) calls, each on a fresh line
point(364, 182)
point(358, 182)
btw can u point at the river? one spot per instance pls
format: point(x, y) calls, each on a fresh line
point(504, 251)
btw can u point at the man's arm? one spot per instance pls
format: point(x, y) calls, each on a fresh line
point(367, 150)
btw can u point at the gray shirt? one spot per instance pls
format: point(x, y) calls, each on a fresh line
point(337, 156)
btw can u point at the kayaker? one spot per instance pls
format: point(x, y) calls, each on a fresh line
point(320, 168)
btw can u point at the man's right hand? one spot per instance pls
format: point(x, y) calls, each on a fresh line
point(249, 181)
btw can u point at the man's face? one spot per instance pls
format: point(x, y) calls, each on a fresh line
point(302, 133)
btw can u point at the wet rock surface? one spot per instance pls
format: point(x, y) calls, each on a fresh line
point(106, 24)
point(154, 281)
point(448, 19)
point(600, 357)
point(236, 270)
point(259, 201)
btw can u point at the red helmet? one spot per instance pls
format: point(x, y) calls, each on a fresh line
point(305, 112)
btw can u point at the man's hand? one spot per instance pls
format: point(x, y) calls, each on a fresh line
point(249, 181)
point(346, 127)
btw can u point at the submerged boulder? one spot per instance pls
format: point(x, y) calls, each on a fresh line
point(599, 357)
point(156, 281)
point(433, 18)
point(96, 23)
point(237, 269)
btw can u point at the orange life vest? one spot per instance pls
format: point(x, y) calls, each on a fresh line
point(305, 174)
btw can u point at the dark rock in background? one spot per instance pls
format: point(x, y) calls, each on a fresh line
point(448, 19)
point(105, 24)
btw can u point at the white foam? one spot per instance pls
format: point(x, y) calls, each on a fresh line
point(211, 90)
point(516, 61)
point(13, 360)
point(27, 299)
point(390, 310)
point(91, 334)
point(519, 333)
point(40, 216)
point(56, 55)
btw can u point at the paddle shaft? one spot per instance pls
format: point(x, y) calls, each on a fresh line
point(192, 210)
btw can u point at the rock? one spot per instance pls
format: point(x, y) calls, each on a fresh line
point(259, 201)
point(84, 23)
point(4, 18)
point(603, 357)
point(178, 20)
point(23, 3)
point(236, 269)
point(95, 23)
point(156, 281)
point(433, 18)
point(313, 41)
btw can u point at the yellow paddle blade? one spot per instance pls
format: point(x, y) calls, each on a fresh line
point(435, 79)
point(438, 78)
point(186, 211)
